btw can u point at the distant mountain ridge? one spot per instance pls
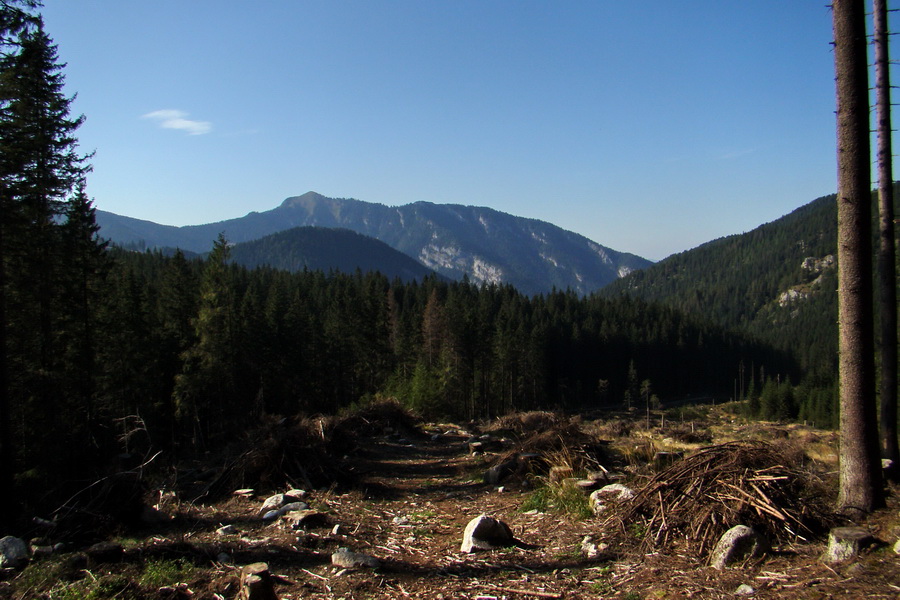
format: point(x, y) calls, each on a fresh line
point(481, 243)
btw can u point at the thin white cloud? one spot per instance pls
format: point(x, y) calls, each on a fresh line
point(733, 154)
point(177, 119)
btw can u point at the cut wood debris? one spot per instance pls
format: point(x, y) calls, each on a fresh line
point(698, 498)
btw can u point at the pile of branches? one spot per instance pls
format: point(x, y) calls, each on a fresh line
point(300, 452)
point(563, 443)
point(370, 420)
point(526, 424)
point(700, 497)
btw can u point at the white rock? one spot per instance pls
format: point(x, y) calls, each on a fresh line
point(615, 492)
point(485, 533)
point(271, 503)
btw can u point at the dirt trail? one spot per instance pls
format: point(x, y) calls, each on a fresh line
point(416, 496)
point(408, 504)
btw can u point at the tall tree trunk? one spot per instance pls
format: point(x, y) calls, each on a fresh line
point(887, 269)
point(7, 502)
point(860, 468)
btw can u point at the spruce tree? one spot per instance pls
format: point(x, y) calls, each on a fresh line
point(40, 166)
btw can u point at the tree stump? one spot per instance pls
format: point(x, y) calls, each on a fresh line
point(845, 543)
point(256, 583)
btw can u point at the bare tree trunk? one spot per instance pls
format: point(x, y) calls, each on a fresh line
point(7, 470)
point(887, 269)
point(860, 468)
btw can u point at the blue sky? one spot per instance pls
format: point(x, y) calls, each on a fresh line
point(650, 127)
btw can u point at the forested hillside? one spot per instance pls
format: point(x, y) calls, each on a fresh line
point(324, 249)
point(777, 282)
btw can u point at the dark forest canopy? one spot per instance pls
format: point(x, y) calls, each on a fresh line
point(316, 342)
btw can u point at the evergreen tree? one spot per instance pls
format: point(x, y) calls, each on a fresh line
point(204, 390)
point(14, 18)
point(39, 167)
point(85, 266)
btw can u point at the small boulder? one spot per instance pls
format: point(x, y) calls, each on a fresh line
point(301, 519)
point(272, 503)
point(744, 590)
point(13, 552)
point(486, 533)
point(226, 530)
point(500, 471)
point(346, 559)
point(590, 549)
point(737, 544)
point(291, 506)
point(614, 492)
point(295, 494)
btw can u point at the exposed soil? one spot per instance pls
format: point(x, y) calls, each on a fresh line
point(410, 504)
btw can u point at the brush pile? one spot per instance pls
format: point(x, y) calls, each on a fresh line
point(700, 497)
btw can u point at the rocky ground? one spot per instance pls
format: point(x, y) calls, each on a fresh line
point(410, 503)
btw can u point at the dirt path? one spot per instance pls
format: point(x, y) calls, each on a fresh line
point(409, 504)
point(415, 498)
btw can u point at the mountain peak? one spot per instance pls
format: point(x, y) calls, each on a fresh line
point(305, 198)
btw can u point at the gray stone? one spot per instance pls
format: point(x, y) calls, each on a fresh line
point(486, 533)
point(272, 503)
point(293, 506)
point(346, 559)
point(13, 552)
point(737, 544)
point(744, 590)
point(301, 519)
point(227, 530)
point(295, 494)
point(614, 492)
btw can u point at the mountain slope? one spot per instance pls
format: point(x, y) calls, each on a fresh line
point(323, 249)
point(778, 282)
point(483, 244)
